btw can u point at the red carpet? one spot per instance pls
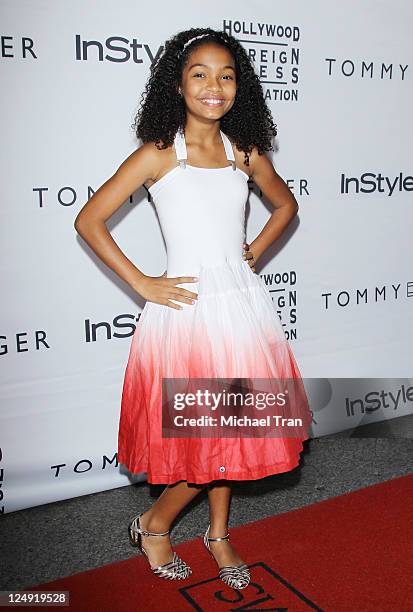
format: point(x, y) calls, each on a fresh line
point(352, 553)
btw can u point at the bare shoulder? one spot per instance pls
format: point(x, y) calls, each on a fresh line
point(142, 166)
point(147, 162)
point(240, 159)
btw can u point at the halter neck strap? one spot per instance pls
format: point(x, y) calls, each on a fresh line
point(182, 155)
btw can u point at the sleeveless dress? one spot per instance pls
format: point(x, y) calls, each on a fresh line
point(232, 330)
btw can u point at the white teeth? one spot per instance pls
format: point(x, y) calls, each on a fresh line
point(212, 101)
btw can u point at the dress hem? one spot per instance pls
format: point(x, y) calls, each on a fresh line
point(277, 468)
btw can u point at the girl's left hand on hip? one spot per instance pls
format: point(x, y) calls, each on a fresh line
point(248, 256)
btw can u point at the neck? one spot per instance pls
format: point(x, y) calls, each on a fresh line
point(203, 133)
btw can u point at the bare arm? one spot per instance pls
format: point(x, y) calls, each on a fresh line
point(142, 165)
point(280, 196)
point(90, 223)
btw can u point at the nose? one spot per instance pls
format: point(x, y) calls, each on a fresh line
point(214, 90)
point(214, 84)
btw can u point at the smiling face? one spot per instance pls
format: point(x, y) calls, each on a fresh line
point(209, 82)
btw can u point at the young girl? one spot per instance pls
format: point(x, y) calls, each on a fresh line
point(205, 127)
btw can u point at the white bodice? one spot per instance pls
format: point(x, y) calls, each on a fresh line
point(201, 212)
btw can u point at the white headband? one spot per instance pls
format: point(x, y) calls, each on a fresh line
point(191, 39)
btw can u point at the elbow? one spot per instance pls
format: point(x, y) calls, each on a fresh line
point(294, 210)
point(76, 224)
point(79, 224)
point(85, 225)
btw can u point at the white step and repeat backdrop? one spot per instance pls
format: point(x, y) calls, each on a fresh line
point(338, 79)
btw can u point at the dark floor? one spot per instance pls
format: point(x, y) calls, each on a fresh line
point(59, 539)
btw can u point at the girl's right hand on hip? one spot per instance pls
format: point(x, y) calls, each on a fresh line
point(162, 290)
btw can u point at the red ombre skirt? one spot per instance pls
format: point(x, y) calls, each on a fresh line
point(231, 332)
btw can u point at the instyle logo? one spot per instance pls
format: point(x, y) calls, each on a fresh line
point(273, 50)
point(361, 69)
point(367, 295)
point(105, 330)
point(114, 49)
point(369, 182)
point(379, 400)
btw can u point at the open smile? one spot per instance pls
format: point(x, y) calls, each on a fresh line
point(212, 101)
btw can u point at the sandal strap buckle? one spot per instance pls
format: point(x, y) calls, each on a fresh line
point(150, 533)
point(144, 532)
point(225, 537)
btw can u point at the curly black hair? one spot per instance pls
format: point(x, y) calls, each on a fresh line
point(162, 110)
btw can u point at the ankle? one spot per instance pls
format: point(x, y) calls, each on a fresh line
point(218, 530)
point(151, 522)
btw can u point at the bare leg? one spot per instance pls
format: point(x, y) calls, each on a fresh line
point(160, 516)
point(219, 497)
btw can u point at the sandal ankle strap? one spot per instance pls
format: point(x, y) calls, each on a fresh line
point(225, 537)
point(148, 533)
